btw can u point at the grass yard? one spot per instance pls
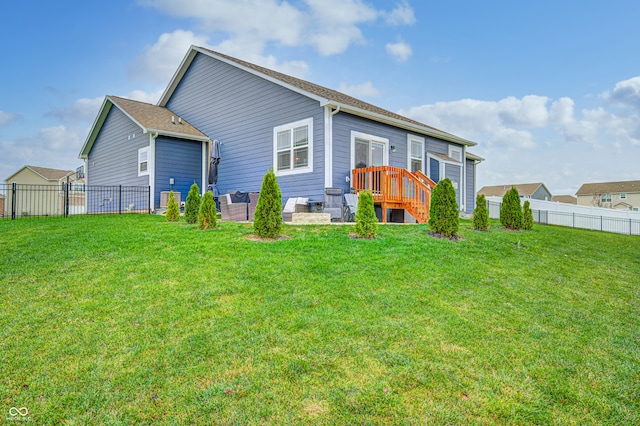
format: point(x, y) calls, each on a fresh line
point(133, 320)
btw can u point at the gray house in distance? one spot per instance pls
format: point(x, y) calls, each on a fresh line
point(536, 191)
point(313, 138)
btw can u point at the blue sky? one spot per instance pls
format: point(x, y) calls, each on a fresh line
point(549, 90)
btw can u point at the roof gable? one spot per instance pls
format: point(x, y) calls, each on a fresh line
point(499, 190)
point(150, 118)
point(630, 186)
point(45, 173)
point(323, 95)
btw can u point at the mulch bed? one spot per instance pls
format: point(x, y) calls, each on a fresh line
point(443, 237)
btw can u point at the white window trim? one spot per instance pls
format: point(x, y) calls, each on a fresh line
point(419, 139)
point(453, 148)
point(290, 126)
point(146, 149)
point(621, 195)
point(371, 138)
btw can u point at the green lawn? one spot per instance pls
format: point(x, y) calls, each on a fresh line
point(133, 320)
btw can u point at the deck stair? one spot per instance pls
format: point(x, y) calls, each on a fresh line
point(396, 188)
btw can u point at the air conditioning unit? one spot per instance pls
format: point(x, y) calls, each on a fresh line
point(164, 198)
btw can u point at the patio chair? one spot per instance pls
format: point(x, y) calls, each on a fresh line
point(333, 203)
point(294, 205)
point(232, 211)
point(351, 207)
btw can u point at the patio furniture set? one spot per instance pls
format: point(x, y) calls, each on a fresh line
point(241, 206)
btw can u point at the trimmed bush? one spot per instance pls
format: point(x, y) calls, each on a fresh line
point(481, 214)
point(443, 214)
point(173, 209)
point(366, 220)
point(527, 220)
point(267, 222)
point(192, 206)
point(207, 213)
point(510, 210)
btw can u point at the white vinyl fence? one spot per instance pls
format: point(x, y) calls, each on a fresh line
point(585, 217)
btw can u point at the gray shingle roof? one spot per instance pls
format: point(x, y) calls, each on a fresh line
point(50, 174)
point(629, 186)
point(156, 118)
point(500, 190)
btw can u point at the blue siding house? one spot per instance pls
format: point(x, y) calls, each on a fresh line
point(313, 137)
point(137, 144)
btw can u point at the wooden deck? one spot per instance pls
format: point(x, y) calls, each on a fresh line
point(396, 188)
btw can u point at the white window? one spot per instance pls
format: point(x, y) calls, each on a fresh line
point(623, 195)
point(293, 148)
point(455, 152)
point(605, 198)
point(143, 161)
point(416, 153)
point(368, 150)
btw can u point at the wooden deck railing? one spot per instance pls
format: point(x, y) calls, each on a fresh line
point(395, 188)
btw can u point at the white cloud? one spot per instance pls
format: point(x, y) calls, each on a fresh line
point(402, 14)
point(570, 147)
point(160, 61)
point(82, 110)
point(400, 50)
point(330, 26)
point(626, 92)
point(56, 147)
point(363, 90)
point(505, 137)
point(7, 118)
point(143, 96)
point(251, 50)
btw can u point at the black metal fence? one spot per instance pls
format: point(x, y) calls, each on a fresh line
point(618, 225)
point(67, 199)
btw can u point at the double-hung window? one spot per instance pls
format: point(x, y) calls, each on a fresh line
point(143, 161)
point(293, 147)
point(416, 153)
point(605, 198)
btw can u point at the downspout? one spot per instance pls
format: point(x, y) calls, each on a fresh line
point(86, 184)
point(152, 172)
point(464, 178)
point(328, 157)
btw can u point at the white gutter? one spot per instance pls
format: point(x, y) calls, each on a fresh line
point(176, 135)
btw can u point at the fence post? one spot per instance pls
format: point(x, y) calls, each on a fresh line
point(629, 226)
point(573, 221)
point(149, 198)
point(66, 198)
point(13, 200)
point(120, 199)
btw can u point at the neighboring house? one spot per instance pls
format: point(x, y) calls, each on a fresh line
point(313, 137)
point(40, 191)
point(536, 191)
point(616, 195)
point(567, 199)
